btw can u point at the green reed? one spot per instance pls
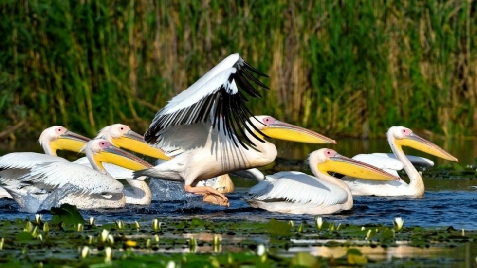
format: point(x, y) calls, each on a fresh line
point(350, 68)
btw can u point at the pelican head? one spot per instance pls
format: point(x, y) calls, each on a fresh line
point(329, 160)
point(60, 138)
point(273, 128)
point(101, 150)
point(122, 136)
point(403, 136)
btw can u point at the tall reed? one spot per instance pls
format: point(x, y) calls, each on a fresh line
point(349, 68)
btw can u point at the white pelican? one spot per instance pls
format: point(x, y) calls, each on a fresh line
point(141, 193)
point(95, 188)
point(209, 129)
point(208, 152)
point(299, 193)
point(122, 136)
point(399, 136)
point(51, 139)
point(54, 138)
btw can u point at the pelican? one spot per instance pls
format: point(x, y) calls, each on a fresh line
point(122, 136)
point(399, 136)
point(94, 187)
point(211, 131)
point(44, 178)
point(51, 139)
point(299, 193)
point(208, 152)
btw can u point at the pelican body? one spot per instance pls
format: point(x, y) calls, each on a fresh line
point(93, 187)
point(399, 136)
point(299, 193)
point(52, 139)
point(46, 177)
point(207, 152)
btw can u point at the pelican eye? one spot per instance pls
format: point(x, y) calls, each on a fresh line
point(104, 144)
point(268, 120)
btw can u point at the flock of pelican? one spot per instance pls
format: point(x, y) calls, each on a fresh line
point(203, 134)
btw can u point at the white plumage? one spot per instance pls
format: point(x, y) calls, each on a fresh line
point(14, 165)
point(95, 184)
point(389, 159)
point(299, 193)
point(57, 174)
point(207, 152)
point(398, 136)
point(306, 189)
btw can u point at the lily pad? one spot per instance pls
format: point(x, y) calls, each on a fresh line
point(66, 214)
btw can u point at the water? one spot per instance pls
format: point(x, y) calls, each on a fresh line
point(449, 200)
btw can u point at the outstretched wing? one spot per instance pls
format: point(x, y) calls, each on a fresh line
point(218, 97)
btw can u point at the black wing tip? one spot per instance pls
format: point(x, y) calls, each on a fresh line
point(150, 135)
point(231, 104)
point(253, 69)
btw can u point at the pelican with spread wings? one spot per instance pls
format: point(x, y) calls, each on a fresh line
point(210, 131)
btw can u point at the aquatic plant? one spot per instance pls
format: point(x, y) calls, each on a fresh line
point(398, 223)
point(345, 67)
point(223, 243)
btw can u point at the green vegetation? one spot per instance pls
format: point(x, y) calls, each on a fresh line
point(67, 240)
point(341, 67)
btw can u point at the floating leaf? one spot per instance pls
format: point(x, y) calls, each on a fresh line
point(304, 259)
point(279, 227)
point(24, 236)
point(67, 214)
point(356, 257)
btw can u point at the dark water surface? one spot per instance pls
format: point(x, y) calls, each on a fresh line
point(450, 200)
point(456, 208)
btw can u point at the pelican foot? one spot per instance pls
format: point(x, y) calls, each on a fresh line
point(216, 200)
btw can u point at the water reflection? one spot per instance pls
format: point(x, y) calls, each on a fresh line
point(459, 256)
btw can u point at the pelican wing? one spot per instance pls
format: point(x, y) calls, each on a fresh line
point(218, 97)
point(26, 160)
point(415, 160)
point(380, 161)
point(58, 174)
point(181, 138)
point(298, 187)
